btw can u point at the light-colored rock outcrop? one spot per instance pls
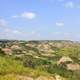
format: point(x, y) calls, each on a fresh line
point(7, 51)
point(64, 59)
point(45, 78)
point(73, 67)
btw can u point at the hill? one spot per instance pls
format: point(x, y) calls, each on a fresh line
point(39, 60)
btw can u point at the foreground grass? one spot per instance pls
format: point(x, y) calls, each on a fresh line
point(9, 77)
point(9, 65)
point(11, 69)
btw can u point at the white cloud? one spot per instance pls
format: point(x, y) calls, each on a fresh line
point(57, 33)
point(26, 15)
point(33, 32)
point(6, 29)
point(60, 24)
point(11, 31)
point(15, 16)
point(64, 35)
point(3, 23)
point(16, 32)
point(61, 33)
point(69, 4)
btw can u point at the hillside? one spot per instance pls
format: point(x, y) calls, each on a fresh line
point(39, 60)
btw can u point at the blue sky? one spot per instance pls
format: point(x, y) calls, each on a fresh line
point(40, 19)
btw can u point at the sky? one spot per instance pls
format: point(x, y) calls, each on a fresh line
point(40, 19)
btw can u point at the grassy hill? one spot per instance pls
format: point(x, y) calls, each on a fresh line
point(39, 60)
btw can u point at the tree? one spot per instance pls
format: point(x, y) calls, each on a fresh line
point(2, 52)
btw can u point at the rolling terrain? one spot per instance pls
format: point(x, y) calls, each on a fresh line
point(39, 60)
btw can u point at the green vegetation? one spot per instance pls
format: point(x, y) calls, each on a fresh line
point(39, 58)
